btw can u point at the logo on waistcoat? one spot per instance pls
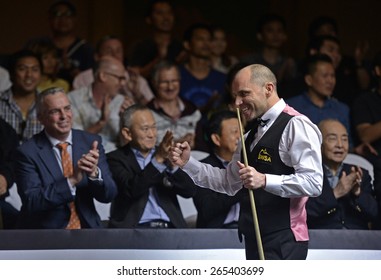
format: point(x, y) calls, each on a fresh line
point(263, 155)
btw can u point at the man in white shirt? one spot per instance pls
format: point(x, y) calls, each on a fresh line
point(284, 167)
point(96, 107)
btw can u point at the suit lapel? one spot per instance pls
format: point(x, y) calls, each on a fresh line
point(79, 146)
point(46, 153)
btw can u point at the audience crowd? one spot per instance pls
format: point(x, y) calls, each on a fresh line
point(172, 90)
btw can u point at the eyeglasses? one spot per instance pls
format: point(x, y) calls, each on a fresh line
point(166, 83)
point(120, 78)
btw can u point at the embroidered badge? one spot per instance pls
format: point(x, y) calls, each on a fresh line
point(264, 156)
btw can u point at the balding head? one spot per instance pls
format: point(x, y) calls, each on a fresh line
point(109, 64)
point(259, 74)
point(254, 89)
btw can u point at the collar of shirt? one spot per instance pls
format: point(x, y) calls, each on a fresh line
point(143, 161)
point(273, 113)
point(224, 162)
point(55, 141)
point(333, 179)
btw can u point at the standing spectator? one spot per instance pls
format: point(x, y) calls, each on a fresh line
point(148, 184)
point(218, 210)
point(17, 104)
point(346, 200)
point(57, 185)
point(171, 112)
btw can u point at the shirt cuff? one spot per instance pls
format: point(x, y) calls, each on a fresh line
point(272, 183)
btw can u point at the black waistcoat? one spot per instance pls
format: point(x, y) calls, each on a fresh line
point(273, 211)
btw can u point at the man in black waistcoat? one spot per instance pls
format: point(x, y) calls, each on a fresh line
point(284, 167)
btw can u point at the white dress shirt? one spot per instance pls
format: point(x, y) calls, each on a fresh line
point(299, 147)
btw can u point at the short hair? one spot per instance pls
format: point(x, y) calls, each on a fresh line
point(317, 42)
point(104, 39)
point(268, 18)
point(189, 32)
point(68, 4)
point(41, 97)
point(126, 118)
point(152, 3)
point(313, 60)
point(318, 22)
point(214, 124)
point(162, 65)
point(17, 56)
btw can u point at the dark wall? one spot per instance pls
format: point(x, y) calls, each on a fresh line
point(20, 20)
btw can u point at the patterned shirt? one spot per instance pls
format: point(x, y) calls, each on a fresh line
point(11, 113)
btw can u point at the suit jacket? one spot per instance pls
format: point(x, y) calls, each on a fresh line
point(44, 191)
point(213, 207)
point(133, 190)
point(327, 212)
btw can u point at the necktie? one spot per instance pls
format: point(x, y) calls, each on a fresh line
point(67, 168)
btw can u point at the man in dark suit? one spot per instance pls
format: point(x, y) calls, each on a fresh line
point(218, 210)
point(147, 184)
point(8, 145)
point(49, 198)
point(346, 200)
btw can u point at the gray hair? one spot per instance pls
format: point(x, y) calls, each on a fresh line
point(41, 97)
point(163, 65)
point(125, 120)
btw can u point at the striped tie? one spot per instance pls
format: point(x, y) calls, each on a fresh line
point(67, 167)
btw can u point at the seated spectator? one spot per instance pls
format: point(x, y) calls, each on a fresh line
point(200, 83)
point(96, 108)
point(218, 210)
point(60, 171)
point(347, 86)
point(171, 112)
point(351, 66)
point(48, 54)
point(221, 61)
point(18, 104)
point(8, 145)
point(5, 82)
point(346, 201)
point(148, 184)
point(75, 53)
point(161, 43)
point(136, 87)
point(317, 102)
point(367, 123)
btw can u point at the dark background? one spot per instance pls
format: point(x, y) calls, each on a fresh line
point(357, 20)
